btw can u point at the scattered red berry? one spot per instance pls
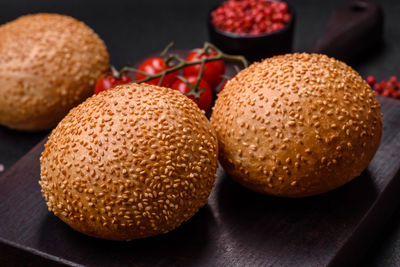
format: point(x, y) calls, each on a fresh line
point(251, 17)
point(377, 87)
point(389, 88)
point(371, 80)
point(386, 93)
point(393, 79)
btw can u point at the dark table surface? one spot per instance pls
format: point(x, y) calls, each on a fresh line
point(134, 29)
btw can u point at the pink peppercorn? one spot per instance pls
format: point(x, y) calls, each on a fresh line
point(393, 79)
point(251, 17)
point(371, 80)
point(386, 93)
point(389, 88)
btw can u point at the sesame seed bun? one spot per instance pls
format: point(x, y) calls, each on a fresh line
point(296, 125)
point(131, 162)
point(49, 63)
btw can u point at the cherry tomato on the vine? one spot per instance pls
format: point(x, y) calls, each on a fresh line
point(205, 98)
point(156, 65)
point(213, 71)
point(108, 80)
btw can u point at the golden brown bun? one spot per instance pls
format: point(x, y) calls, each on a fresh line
point(131, 162)
point(49, 63)
point(296, 125)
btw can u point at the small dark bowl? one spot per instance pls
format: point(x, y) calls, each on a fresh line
point(254, 47)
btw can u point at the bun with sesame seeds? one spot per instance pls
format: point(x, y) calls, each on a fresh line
point(296, 125)
point(131, 162)
point(49, 63)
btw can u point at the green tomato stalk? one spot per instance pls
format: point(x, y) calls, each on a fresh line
point(175, 63)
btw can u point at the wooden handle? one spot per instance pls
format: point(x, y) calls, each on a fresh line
point(353, 30)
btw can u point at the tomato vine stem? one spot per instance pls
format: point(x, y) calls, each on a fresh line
point(182, 63)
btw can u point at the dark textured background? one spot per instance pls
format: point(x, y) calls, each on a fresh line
point(134, 29)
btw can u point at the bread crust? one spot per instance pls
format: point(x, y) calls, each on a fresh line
point(131, 162)
point(296, 125)
point(49, 63)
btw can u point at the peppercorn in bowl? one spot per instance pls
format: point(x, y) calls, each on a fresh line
point(254, 28)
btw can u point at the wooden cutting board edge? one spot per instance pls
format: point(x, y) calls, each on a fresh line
point(367, 230)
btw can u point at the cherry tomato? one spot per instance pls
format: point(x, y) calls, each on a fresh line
point(204, 102)
point(108, 80)
point(213, 70)
point(156, 65)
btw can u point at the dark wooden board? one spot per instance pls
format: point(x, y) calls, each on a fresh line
point(236, 228)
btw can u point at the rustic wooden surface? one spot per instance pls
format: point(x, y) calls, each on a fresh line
point(236, 228)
